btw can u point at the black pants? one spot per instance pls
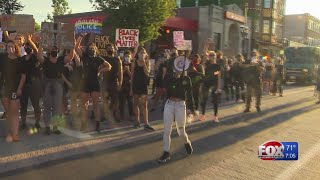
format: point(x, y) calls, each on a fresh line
point(124, 96)
point(196, 92)
point(215, 99)
point(256, 90)
point(34, 92)
point(239, 87)
point(228, 89)
point(277, 85)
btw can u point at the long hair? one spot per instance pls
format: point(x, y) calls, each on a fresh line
point(95, 48)
point(17, 50)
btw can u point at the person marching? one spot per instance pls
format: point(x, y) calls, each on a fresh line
point(237, 78)
point(179, 97)
point(93, 67)
point(211, 80)
point(252, 73)
point(317, 88)
point(278, 78)
point(33, 85)
point(140, 69)
point(53, 89)
point(13, 79)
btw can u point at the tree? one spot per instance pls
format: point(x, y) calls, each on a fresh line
point(60, 7)
point(10, 6)
point(146, 15)
point(37, 27)
point(191, 3)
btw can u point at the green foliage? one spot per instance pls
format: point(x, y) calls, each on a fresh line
point(37, 27)
point(146, 15)
point(10, 6)
point(191, 3)
point(60, 7)
point(58, 121)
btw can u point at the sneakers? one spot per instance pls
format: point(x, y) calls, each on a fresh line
point(165, 157)
point(55, 130)
point(258, 109)
point(136, 125)
point(148, 127)
point(189, 148)
point(246, 110)
point(37, 125)
point(216, 119)
point(98, 126)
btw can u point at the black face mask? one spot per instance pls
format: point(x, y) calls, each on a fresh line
point(110, 52)
point(91, 52)
point(54, 53)
point(28, 50)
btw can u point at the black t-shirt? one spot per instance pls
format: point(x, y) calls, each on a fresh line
point(279, 70)
point(90, 68)
point(251, 73)
point(180, 88)
point(235, 71)
point(53, 70)
point(126, 78)
point(111, 76)
point(210, 79)
point(11, 69)
point(33, 68)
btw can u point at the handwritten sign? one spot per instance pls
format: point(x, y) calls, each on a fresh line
point(88, 25)
point(185, 45)
point(101, 42)
point(20, 23)
point(57, 34)
point(127, 37)
point(178, 36)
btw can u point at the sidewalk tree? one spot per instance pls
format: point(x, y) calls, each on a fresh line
point(10, 6)
point(37, 27)
point(146, 15)
point(60, 7)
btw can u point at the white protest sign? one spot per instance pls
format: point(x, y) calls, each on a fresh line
point(178, 36)
point(127, 37)
point(185, 45)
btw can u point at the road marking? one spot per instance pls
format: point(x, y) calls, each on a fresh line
point(296, 166)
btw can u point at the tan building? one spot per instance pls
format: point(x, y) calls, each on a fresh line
point(303, 28)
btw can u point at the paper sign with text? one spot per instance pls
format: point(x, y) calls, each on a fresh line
point(185, 45)
point(101, 42)
point(127, 37)
point(57, 34)
point(20, 23)
point(178, 36)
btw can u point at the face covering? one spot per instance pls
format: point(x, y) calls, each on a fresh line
point(110, 52)
point(121, 54)
point(28, 50)
point(126, 60)
point(91, 52)
point(194, 62)
point(54, 53)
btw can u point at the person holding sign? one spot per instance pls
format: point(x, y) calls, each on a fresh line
point(32, 87)
point(93, 67)
point(13, 79)
point(53, 88)
point(139, 87)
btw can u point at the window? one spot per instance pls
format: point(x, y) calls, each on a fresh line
point(266, 26)
point(257, 26)
point(267, 4)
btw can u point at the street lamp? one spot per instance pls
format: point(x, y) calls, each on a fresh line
point(245, 39)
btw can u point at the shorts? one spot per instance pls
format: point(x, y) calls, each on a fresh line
point(91, 87)
point(140, 91)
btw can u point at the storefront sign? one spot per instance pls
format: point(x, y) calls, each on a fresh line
point(127, 37)
point(88, 25)
point(234, 16)
point(57, 34)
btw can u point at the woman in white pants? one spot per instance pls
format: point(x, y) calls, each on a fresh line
point(179, 88)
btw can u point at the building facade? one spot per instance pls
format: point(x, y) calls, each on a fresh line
point(267, 25)
point(308, 31)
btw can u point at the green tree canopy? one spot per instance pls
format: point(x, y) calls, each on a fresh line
point(192, 3)
point(10, 6)
point(37, 27)
point(60, 7)
point(146, 15)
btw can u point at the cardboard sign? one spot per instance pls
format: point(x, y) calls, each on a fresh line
point(127, 38)
point(22, 24)
point(185, 45)
point(88, 25)
point(57, 34)
point(101, 42)
point(178, 36)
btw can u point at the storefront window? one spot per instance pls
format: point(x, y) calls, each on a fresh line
point(266, 26)
point(267, 4)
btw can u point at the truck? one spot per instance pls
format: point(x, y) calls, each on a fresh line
point(300, 64)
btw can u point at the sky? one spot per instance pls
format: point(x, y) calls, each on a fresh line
point(40, 8)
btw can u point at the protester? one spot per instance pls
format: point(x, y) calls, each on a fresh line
point(278, 78)
point(211, 81)
point(237, 79)
point(179, 92)
point(252, 74)
point(139, 88)
point(93, 67)
point(112, 80)
point(13, 79)
point(33, 86)
point(268, 75)
point(124, 95)
point(228, 87)
point(196, 73)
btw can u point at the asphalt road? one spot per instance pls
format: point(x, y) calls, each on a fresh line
point(228, 150)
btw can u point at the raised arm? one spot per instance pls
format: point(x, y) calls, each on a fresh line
point(32, 45)
point(40, 56)
point(69, 57)
point(78, 44)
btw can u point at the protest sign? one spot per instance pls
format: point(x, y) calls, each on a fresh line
point(178, 36)
point(101, 42)
point(57, 34)
point(88, 25)
point(20, 23)
point(185, 45)
point(127, 37)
